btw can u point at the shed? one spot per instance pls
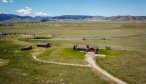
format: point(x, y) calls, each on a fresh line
point(43, 45)
point(27, 48)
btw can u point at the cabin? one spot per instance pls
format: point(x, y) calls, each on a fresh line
point(45, 45)
point(27, 48)
point(87, 48)
point(80, 47)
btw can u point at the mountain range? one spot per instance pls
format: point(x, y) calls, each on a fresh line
point(12, 17)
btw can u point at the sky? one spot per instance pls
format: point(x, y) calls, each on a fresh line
point(73, 7)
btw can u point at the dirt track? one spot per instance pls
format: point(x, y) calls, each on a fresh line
point(91, 61)
point(67, 64)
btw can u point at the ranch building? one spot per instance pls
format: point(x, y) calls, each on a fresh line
point(87, 48)
point(80, 47)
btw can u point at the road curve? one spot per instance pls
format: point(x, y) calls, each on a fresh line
point(91, 61)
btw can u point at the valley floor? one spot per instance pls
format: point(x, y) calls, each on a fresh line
point(126, 60)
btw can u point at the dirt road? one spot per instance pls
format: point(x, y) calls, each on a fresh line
point(67, 64)
point(91, 61)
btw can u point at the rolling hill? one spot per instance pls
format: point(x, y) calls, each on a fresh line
point(12, 17)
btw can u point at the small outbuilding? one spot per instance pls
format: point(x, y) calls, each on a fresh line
point(27, 48)
point(43, 45)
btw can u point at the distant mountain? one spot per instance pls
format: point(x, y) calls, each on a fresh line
point(5, 17)
point(96, 18)
point(12, 17)
point(42, 17)
point(75, 17)
point(127, 18)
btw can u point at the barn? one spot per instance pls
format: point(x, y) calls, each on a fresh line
point(43, 45)
point(27, 48)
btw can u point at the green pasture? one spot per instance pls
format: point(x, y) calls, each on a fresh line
point(126, 59)
point(22, 69)
point(64, 55)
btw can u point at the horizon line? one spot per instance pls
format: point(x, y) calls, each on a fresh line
point(70, 15)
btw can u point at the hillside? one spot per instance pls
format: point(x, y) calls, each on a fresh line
point(5, 17)
point(12, 17)
point(127, 18)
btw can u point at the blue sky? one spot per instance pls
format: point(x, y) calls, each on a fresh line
point(74, 7)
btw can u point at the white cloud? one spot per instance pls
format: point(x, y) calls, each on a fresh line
point(25, 11)
point(40, 14)
point(28, 11)
point(6, 1)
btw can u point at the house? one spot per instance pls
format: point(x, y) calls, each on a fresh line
point(43, 45)
point(80, 47)
point(27, 48)
point(84, 47)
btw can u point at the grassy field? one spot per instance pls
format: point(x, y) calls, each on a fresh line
point(64, 55)
point(78, 29)
point(129, 66)
point(22, 69)
point(126, 59)
point(129, 63)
